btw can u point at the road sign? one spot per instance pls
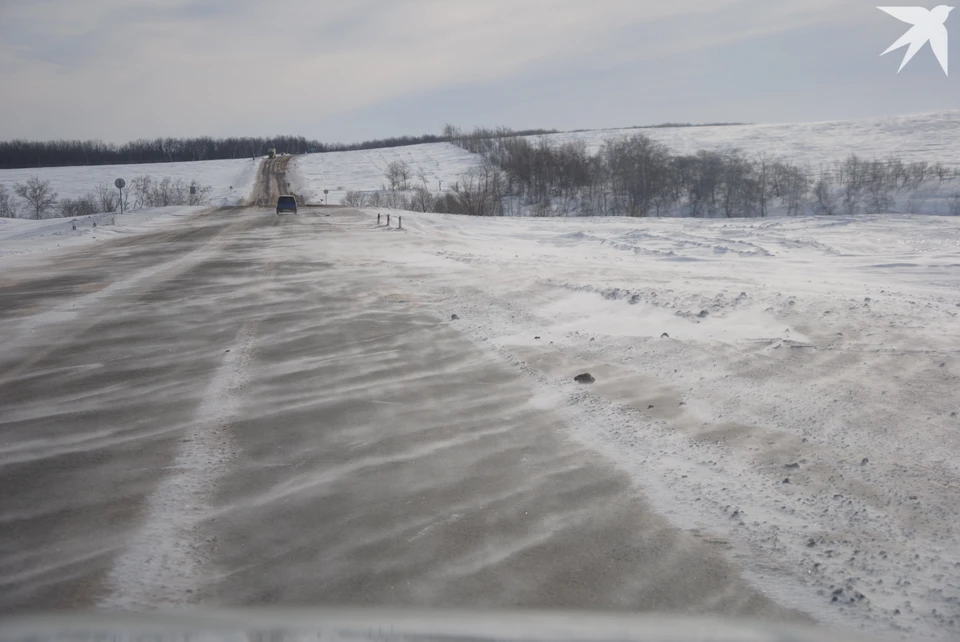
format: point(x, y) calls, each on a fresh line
point(193, 189)
point(120, 184)
point(325, 192)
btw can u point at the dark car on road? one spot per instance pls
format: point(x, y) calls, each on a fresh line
point(287, 204)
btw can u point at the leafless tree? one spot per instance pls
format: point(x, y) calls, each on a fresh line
point(880, 180)
point(81, 206)
point(853, 182)
point(141, 187)
point(198, 194)
point(941, 172)
point(763, 183)
point(355, 199)
point(918, 173)
point(37, 194)
point(478, 193)
point(398, 173)
point(7, 209)
point(421, 200)
point(108, 198)
point(824, 199)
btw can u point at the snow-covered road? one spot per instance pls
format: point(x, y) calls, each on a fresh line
point(772, 428)
point(239, 409)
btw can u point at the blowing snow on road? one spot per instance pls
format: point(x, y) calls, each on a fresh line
point(237, 408)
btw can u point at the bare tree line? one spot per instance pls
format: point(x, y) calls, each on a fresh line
point(477, 193)
point(38, 200)
point(636, 176)
point(59, 153)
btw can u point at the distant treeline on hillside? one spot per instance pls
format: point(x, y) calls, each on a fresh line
point(665, 126)
point(59, 153)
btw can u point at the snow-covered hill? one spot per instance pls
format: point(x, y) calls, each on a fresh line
point(232, 180)
point(440, 164)
point(932, 137)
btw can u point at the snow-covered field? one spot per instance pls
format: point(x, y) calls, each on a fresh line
point(232, 180)
point(933, 137)
point(786, 388)
point(440, 163)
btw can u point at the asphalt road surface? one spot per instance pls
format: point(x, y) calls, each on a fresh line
point(271, 181)
point(214, 413)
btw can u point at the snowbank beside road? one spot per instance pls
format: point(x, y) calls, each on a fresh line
point(21, 237)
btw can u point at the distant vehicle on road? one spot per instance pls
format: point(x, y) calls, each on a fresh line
point(287, 204)
point(271, 153)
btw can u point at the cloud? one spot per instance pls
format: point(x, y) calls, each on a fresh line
point(116, 69)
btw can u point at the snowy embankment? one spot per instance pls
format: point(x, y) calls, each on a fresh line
point(232, 180)
point(20, 237)
point(786, 388)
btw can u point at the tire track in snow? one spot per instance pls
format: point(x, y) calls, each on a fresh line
point(163, 565)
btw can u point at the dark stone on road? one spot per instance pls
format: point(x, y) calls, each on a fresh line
point(584, 378)
point(454, 317)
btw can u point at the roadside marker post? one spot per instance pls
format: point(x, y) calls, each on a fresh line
point(378, 218)
point(388, 220)
point(399, 222)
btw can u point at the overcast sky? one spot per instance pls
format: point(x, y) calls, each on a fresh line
point(346, 70)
